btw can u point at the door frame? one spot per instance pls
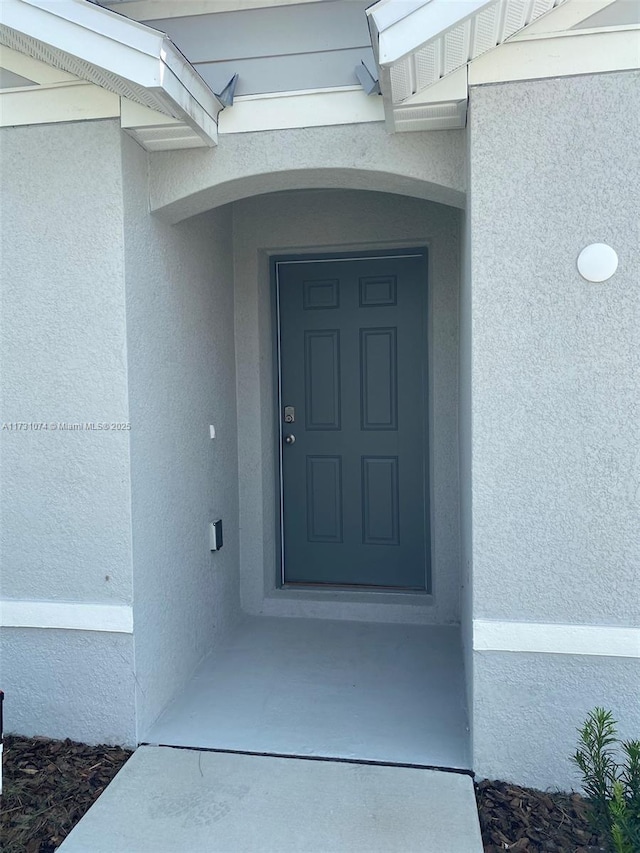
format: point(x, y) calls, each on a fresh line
point(275, 261)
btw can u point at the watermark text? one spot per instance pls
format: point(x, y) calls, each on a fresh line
point(65, 426)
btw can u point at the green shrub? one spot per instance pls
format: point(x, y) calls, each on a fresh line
point(612, 788)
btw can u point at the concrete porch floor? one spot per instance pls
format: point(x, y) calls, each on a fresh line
point(167, 800)
point(334, 689)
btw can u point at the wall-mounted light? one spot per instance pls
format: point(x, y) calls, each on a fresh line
point(597, 262)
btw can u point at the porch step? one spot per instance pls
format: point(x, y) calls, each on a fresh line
point(168, 800)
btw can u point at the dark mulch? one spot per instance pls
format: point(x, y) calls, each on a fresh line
point(47, 786)
point(521, 819)
point(50, 784)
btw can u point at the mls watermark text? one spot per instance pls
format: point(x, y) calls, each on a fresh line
point(66, 426)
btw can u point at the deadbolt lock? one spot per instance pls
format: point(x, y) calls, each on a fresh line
point(289, 414)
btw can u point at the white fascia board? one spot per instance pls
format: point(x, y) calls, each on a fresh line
point(560, 56)
point(431, 20)
point(75, 101)
point(120, 47)
point(319, 108)
point(86, 31)
point(388, 12)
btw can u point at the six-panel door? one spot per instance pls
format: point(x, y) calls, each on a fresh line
point(352, 344)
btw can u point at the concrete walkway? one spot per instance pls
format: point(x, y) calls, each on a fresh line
point(169, 800)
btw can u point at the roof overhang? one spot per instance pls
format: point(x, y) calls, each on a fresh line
point(122, 56)
point(423, 48)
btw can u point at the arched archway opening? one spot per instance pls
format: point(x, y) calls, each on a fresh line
point(428, 166)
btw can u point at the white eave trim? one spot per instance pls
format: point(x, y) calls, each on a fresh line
point(120, 55)
point(427, 51)
point(428, 20)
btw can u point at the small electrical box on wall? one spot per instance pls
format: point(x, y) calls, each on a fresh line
point(215, 535)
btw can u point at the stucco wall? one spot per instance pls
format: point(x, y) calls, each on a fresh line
point(181, 379)
point(75, 684)
point(464, 451)
point(341, 221)
point(65, 493)
point(528, 706)
point(65, 531)
point(556, 400)
point(358, 157)
point(75, 503)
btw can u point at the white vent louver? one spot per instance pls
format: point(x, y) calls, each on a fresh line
point(461, 43)
point(430, 115)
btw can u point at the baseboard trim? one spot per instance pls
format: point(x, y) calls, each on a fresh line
point(66, 615)
point(488, 635)
point(553, 638)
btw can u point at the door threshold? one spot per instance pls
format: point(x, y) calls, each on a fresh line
point(352, 587)
point(361, 604)
point(354, 594)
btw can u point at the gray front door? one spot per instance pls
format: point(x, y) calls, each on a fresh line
point(352, 361)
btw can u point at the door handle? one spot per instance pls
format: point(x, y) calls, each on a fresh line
point(289, 439)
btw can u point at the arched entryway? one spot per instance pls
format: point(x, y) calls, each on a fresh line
point(363, 673)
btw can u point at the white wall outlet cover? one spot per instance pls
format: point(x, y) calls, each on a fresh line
point(212, 431)
point(597, 262)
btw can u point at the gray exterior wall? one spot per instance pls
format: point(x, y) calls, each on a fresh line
point(555, 406)
point(114, 316)
point(464, 462)
point(66, 521)
point(64, 359)
point(181, 380)
point(528, 706)
point(69, 684)
point(277, 49)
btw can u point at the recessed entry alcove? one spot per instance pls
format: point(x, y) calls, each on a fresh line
point(349, 646)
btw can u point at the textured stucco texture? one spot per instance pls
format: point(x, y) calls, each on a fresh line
point(529, 706)
point(115, 317)
point(65, 494)
point(556, 360)
point(551, 433)
point(358, 157)
point(328, 221)
point(75, 684)
point(181, 380)
point(464, 459)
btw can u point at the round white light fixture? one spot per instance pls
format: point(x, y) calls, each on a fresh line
point(597, 262)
